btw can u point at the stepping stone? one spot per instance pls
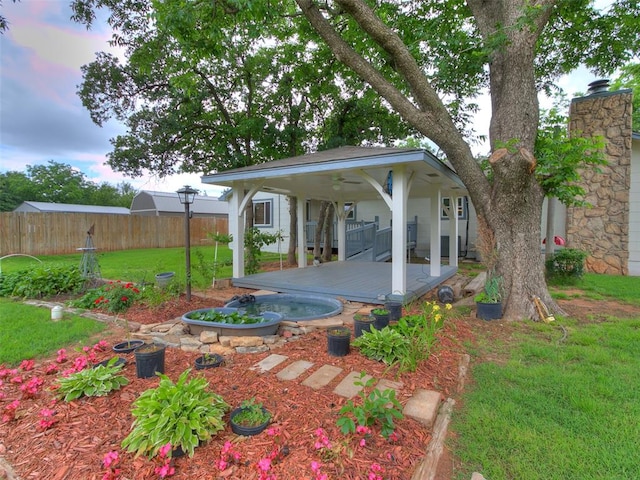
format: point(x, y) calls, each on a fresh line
point(423, 406)
point(269, 363)
point(322, 376)
point(294, 370)
point(385, 384)
point(346, 388)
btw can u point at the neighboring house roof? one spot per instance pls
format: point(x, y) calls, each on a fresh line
point(168, 203)
point(45, 207)
point(342, 173)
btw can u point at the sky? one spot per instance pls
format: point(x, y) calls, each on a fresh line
point(41, 116)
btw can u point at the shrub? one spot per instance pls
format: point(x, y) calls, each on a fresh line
point(92, 382)
point(386, 345)
point(41, 282)
point(114, 297)
point(566, 265)
point(181, 413)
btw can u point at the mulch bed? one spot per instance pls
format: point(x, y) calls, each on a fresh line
point(88, 428)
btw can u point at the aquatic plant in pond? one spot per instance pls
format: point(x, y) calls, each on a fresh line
point(233, 318)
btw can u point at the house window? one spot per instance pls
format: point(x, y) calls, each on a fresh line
point(461, 210)
point(262, 213)
point(352, 214)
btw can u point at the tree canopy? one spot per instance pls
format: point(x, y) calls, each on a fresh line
point(59, 183)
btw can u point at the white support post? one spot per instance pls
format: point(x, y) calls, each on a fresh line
point(236, 228)
point(342, 231)
point(453, 232)
point(399, 231)
point(302, 231)
point(435, 232)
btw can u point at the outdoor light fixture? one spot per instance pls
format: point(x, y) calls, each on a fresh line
point(187, 195)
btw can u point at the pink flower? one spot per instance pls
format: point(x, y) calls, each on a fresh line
point(264, 464)
point(51, 369)
point(394, 437)
point(315, 467)
point(16, 379)
point(165, 449)
point(30, 389)
point(62, 356)
point(165, 470)
point(363, 429)
point(363, 442)
point(101, 346)
point(110, 458)
point(27, 365)
point(222, 464)
point(80, 363)
point(273, 431)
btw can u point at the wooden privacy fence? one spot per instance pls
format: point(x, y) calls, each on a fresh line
point(60, 233)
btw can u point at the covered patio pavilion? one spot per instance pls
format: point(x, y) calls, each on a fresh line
point(349, 175)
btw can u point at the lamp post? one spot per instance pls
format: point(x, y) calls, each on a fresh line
point(187, 195)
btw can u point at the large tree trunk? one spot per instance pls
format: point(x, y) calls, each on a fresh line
point(317, 239)
point(328, 233)
point(293, 230)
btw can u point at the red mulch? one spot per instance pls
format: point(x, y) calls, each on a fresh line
point(88, 428)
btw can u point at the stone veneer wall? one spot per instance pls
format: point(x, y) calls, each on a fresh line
point(603, 230)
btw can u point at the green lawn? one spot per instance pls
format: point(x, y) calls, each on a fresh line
point(142, 265)
point(555, 405)
point(28, 332)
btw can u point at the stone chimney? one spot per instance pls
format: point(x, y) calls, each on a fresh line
point(603, 229)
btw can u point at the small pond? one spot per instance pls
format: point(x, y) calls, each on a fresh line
point(293, 307)
point(204, 319)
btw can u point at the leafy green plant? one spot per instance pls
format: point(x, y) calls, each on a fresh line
point(114, 297)
point(420, 330)
point(251, 414)
point(41, 281)
point(254, 240)
point(92, 382)
point(386, 345)
point(376, 406)
point(380, 311)
point(566, 266)
point(182, 413)
point(492, 292)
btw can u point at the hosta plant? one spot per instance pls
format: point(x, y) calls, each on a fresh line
point(92, 382)
point(183, 414)
point(386, 345)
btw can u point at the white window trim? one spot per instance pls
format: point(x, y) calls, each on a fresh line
point(265, 201)
point(463, 214)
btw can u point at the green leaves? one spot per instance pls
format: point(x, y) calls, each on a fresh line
point(41, 282)
point(92, 382)
point(377, 406)
point(181, 413)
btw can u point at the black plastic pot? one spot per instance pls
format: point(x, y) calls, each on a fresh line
point(380, 320)
point(149, 360)
point(361, 325)
point(395, 310)
point(338, 341)
point(488, 311)
point(246, 430)
point(119, 361)
point(211, 361)
point(128, 346)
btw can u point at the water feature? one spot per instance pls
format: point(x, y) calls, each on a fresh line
point(293, 307)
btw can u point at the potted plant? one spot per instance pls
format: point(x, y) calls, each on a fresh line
point(489, 300)
point(182, 414)
point(338, 341)
point(362, 323)
point(381, 317)
point(127, 346)
point(208, 360)
point(149, 359)
point(250, 418)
